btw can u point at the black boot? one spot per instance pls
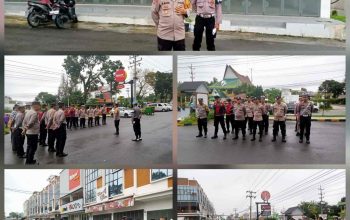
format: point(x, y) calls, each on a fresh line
point(235, 138)
point(308, 141)
point(224, 136)
point(205, 135)
point(214, 137)
point(253, 139)
point(260, 138)
point(199, 135)
point(284, 139)
point(301, 141)
point(274, 139)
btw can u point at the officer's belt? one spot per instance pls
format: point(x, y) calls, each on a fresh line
point(206, 15)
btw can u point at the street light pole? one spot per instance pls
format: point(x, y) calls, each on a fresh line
point(251, 196)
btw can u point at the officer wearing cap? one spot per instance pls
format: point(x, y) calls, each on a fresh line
point(230, 117)
point(279, 110)
point(169, 16)
point(59, 122)
point(209, 16)
point(49, 125)
point(136, 121)
point(17, 132)
point(219, 117)
point(267, 108)
point(240, 123)
point(258, 111)
point(202, 112)
point(31, 129)
point(305, 113)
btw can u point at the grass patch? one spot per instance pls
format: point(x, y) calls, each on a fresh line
point(6, 131)
point(339, 18)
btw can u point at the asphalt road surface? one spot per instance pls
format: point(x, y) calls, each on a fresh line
point(327, 147)
point(99, 145)
point(21, 38)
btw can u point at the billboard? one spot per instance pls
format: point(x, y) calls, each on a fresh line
point(74, 178)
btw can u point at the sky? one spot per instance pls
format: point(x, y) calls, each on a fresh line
point(226, 189)
point(28, 180)
point(26, 76)
point(291, 72)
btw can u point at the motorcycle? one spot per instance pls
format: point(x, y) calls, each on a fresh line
point(66, 13)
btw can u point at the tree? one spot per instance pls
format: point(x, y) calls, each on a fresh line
point(84, 70)
point(272, 94)
point(16, 215)
point(332, 88)
point(164, 86)
point(311, 209)
point(45, 97)
point(145, 79)
point(107, 72)
point(213, 82)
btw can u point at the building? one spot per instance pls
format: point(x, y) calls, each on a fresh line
point(104, 194)
point(232, 79)
point(295, 213)
point(192, 91)
point(192, 202)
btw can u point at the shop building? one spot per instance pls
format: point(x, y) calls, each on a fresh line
point(192, 202)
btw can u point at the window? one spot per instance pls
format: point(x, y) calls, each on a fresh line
point(161, 173)
point(90, 185)
point(114, 180)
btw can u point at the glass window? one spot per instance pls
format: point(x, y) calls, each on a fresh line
point(311, 8)
point(291, 7)
point(161, 173)
point(255, 7)
point(273, 7)
point(90, 185)
point(114, 180)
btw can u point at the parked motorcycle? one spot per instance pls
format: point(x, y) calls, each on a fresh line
point(66, 13)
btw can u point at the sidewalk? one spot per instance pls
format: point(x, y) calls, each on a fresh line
point(141, 15)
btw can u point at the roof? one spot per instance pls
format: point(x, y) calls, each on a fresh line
point(191, 86)
point(292, 209)
point(243, 79)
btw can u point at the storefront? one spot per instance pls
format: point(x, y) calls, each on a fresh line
point(73, 210)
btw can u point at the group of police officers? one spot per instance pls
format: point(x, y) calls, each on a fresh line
point(169, 17)
point(254, 113)
point(38, 123)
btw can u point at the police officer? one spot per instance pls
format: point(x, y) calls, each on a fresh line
point(258, 111)
point(31, 129)
point(11, 124)
point(279, 110)
point(136, 121)
point(304, 111)
point(49, 125)
point(91, 114)
point(104, 114)
point(116, 116)
point(297, 121)
point(97, 113)
point(76, 116)
point(240, 122)
point(230, 117)
point(209, 16)
point(82, 115)
point(59, 121)
point(219, 117)
point(67, 114)
point(202, 112)
point(17, 132)
point(169, 16)
point(43, 130)
point(267, 108)
point(249, 114)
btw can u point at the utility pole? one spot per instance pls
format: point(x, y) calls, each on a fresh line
point(134, 62)
point(321, 198)
point(251, 75)
point(251, 196)
point(235, 211)
point(191, 72)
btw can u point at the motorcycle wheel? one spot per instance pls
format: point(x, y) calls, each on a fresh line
point(61, 21)
point(33, 19)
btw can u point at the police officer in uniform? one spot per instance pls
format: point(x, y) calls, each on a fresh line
point(169, 16)
point(305, 112)
point(116, 116)
point(249, 114)
point(258, 112)
point(279, 110)
point(104, 114)
point(49, 125)
point(229, 116)
point(17, 132)
point(136, 121)
point(59, 121)
point(240, 123)
point(82, 115)
point(209, 16)
point(202, 118)
point(265, 116)
point(219, 117)
point(297, 121)
point(90, 113)
point(43, 130)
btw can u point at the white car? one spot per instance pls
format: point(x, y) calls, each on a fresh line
point(170, 107)
point(159, 107)
point(124, 112)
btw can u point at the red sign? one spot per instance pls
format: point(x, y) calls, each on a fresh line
point(74, 178)
point(119, 204)
point(120, 75)
point(265, 195)
point(96, 208)
point(265, 207)
point(120, 86)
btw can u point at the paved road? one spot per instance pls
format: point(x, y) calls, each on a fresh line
point(99, 145)
point(21, 38)
point(327, 147)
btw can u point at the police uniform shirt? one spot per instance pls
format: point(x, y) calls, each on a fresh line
point(82, 113)
point(31, 122)
point(137, 112)
point(305, 109)
point(240, 111)
point(208, 7)
point(59, 118)
point(116, 114)
point(279, 111)
point(202, 111)
point(267, 108)
point(19, 120)
point(258, 111)
point(249, 109)
point(49, 118)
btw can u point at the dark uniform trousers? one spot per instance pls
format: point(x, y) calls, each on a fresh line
point(76, 120)
point(68, 120)
point(32, 145)
point(230, 120)
point(279, 125)
point(305, 125)
point(219, 120)
point(51, 139)
point(168, 45)
point(137, 127)
point(266, 122)
point(116, 125)
point(104, 117)
point(82, 122)
point(13, 141)
point(90, 121)
point(61, 136)
point(43, 132)
point(202, 125)
point(19, 141)
point(260, 125)
point(209, 25)
point(240, 124)
point(97, 120)
point(249, 120)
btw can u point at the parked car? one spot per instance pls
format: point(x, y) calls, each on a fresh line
point(124, 112)
point(170, 107)
point(159, 107)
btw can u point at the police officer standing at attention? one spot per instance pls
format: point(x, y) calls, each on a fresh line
point(104, 114)
point(209, 16)
point(230, 117)
point(136, 121)
point(304, 111)
point(240, 112)
point(219, 117)
point(258, 111)
point(43, 130)
point(249, 114)
point(17, 132)
point(116, 116)
point(82, 115)
point(202, 112)
point(31, 129)
point(169, 16)
point(265, 116)
point(279, 110)
point(90, 113)
point(59, 120)
point(49, 126)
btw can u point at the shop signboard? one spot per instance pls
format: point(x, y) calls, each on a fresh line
point(74, 178)
point(95, 208)
point(121, 203)
point(265, 209)
point(102, 194)
point(74, 206)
